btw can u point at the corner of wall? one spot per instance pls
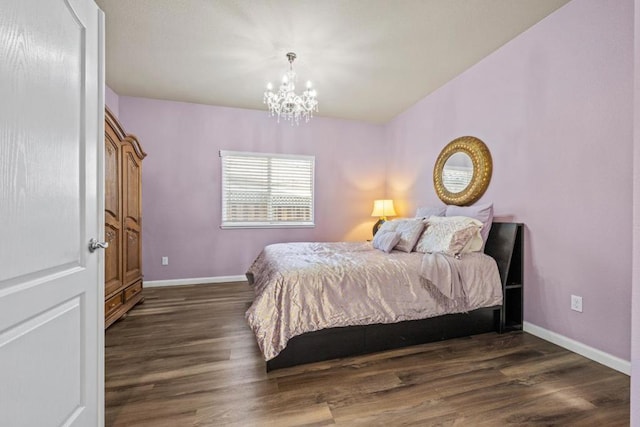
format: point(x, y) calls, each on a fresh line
point(112, 100)
point(635, 282)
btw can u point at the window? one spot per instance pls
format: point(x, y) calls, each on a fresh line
point(456, 178)
point(266, 190)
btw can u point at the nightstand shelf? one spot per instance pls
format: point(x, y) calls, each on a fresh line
point(511, 236)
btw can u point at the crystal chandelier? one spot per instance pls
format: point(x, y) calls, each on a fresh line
point(286, 103)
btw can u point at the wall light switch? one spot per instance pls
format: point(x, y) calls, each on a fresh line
point(576, 303)
point(165, 260)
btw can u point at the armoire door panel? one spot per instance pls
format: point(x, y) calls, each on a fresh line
point(131, 188)
point(112, 179)
point(132, 269)
point(112, 260)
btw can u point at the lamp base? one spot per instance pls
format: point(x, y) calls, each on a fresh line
point(377, 225)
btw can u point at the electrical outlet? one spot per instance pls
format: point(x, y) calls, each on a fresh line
point(576, 303)
point(165, 260)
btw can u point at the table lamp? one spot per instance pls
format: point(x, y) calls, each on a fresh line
point(382, 209)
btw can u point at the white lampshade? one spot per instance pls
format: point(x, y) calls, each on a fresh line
point(383, 208)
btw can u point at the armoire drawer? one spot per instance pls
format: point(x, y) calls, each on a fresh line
point(132, 291)
point(112, 304)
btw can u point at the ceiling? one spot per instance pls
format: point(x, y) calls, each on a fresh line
point(368, 59)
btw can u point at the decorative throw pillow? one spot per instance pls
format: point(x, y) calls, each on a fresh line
point(385, 240)
point(450, 235)
point(410, 231)
point(427, 211)
point(389, 226)
point(483, 213)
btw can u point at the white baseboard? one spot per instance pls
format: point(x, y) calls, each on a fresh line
point(193, 281)
point(594, 354)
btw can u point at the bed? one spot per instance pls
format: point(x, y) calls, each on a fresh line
point(291, 330)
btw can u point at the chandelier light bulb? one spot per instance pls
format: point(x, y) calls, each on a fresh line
point(286, 103)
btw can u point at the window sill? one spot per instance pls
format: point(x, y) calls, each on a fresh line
point(263, 225)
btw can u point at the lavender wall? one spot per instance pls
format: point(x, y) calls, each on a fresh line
point(112, 100)
point(181, 182)
point(635, 315)
point(555, 108)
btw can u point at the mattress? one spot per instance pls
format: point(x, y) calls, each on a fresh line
point(305, 287)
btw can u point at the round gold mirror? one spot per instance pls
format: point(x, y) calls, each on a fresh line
point(462, 171)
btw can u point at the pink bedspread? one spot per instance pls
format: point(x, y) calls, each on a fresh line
point(304, 287)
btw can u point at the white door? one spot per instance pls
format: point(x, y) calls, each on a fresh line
point(51, 196)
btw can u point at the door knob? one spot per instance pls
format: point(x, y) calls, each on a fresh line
point(94, 244)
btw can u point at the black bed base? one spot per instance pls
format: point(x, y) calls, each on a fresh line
point(356, 340)
point(335, 343)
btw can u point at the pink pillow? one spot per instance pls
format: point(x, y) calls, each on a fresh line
point(427, 211)
point(483, 213)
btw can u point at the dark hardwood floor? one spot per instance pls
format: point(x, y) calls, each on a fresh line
point(186, 357)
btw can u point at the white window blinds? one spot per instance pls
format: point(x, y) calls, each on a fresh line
point(266, 190)
point(456, 178)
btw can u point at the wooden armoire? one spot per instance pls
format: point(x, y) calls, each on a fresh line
point(123, 220)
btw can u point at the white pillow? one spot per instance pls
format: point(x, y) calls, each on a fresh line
point(483, 213)
point(451, 235)
point(385, 240)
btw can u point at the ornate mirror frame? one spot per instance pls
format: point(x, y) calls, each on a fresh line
point(482, 169)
